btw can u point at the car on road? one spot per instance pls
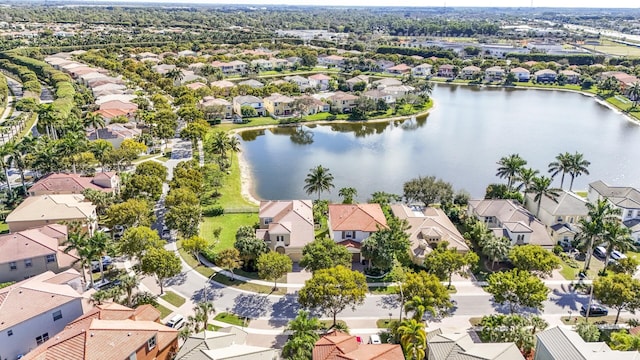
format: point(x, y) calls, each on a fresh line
point(617, 255)
point(595, 310)
point(600, 252)
point(176, 322)
point(166, 232)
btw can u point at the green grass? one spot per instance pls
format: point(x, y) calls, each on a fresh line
point(229, 224)
point(625, 107)
point(173, 298)
point(327, 323)
point(231, 189)
point(385, 323)
point(383, 290)
point(211, 327)
point(582, 194)
point(261, 121)
point(4, 228)
point(232, 319)
point(577, 318)
point(571, 273)
point(164, 312)
point(27, 129)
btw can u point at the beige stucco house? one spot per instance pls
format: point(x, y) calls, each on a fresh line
point(460, 345)
point(38, 211)
point(343, 102)
point(559, 343)
point(286, 226)
point(350, 224)
point(278, 105)
point(427, 228)
point(561, 216)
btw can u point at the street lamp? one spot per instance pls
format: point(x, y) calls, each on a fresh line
point(206, 284)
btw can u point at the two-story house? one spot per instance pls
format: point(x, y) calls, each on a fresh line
point(356, 80)
point(42, 210)
point(61, 183)
point(560, 216)
point(521, 74)
point(351, 224)
point(36, 309)
point(286, 226)
point(215, 108)
point(377, 95)
point(545, 76)
point(302, 82)
point(572, 76)
point(28, 253)
point(469, 72)
point(494, 73)
point(624, 198)
point(422, 70)
point(249, 100)
point(319, 81)
point(279, 105)
point(509, 219)
point(446, 71)
point(331, 61)
point(343, 102)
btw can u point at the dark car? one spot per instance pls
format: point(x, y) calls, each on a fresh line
point(595, 310)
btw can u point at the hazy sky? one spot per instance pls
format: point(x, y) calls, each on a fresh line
point(500, 3)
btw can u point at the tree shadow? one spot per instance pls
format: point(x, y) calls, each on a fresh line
point(279, 341)
point(176, 280)
point(567, 298)
point(389, 302)
point(283, 309)
point(208, 294)
point(506, 309)
point(251, 306)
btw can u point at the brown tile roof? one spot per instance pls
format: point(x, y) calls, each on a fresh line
point(339, 345)
point(356, 217)
point(319, 77)
point(69, 183)
point(342, 96)
point(28, 244)
point(117, 104)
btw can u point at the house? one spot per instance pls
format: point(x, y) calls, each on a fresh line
point(262, 64)
point(38, 211)
point(319, 81)
point(249, 100)
point(521, 74)
point(238, 67)
point(129, 107)
point(427, 228)
point(112, 331)
point(572, 76)
point(98, 81)
point(399, 91)
point(545, 75)
point(399, 69)
point(187, 53)
point(494, 73)
point(196, 85)
point(279, 105)
point(331, 61)
point(61, 183)
point(560, 216)
point(469, 72)
point(314, 105)
point(422, 70)
point(163, 68)
point(356, 80)
point(126, 98)
point(36, 309)
point(455, 346)
point(625, 80)
point(338, 345)
point(377, 95)
point(509, 219)
point(27, 253)
point(280, 63)
point(383, 83)
point(85, 78)
point(559, 343)
point(253, 83)
point(302, 82)
point(343, 102)
point(447, 71)
point(286, 225)
point(108, 114)
point(115, 133)
point(227, 343)
point(624, 198)
point(212, 102)
point(108, 89)
point(223, 84)
point(351, 224)
point(383, 65)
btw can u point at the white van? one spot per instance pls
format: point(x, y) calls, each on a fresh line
point(176, 322)
point(375, 339)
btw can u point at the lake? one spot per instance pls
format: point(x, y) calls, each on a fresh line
point(460, 141)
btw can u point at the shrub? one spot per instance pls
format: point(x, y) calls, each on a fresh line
point(213, 211)
point(209, 254)
point(331, 117)
point(557, 249)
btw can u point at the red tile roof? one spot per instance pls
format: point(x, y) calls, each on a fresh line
point(338, 345)
point(356, 217)
point(70, 183)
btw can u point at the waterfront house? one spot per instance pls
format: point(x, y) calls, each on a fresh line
point(384, 82)
point(399, 91)
point(350, 224)
point(624, 198)
point(313, 105)
point(278, 105)
point(342, 102)
point(427, 228)
point(545, 76)
point(377, 95)
point(286, 226)
point(521, 74)
point(422, 70)
point(446, 70)
point(572, 76)
point(469, 72)
point(561, 216)
point(249, 100)
point(216, 108)
point(494, 73)
point(399, 69)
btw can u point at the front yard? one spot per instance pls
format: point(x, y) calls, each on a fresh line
point(229, 224)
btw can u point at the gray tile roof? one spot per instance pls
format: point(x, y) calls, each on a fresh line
point(566, 204)
point(622, 196)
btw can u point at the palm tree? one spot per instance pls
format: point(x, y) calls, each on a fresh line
point(79, 242)
point(99, 244)
point(561, 165)
point(413, 339)
point(202, 311)
point(304, 325)
point(419, 306)
point(17, 158)
point(128, 283)
point(175, 74)
point(617, 237)
point(6, 150)
point(219, 143)
point(579, 166)
point(634, 94)
point(509, 167)
point(95, 121)
point(233, 145)
point(101, 150)
point(541, 187)
point(496, 249)
point(526, 176)
point(72, 143)
point(48, 118)
point(592, 229)
point(318, 179)
point(347, 194)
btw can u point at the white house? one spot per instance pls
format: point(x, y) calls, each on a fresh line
point(521, 74)
point(319, 81)
point(422, 70)
point(625, 198)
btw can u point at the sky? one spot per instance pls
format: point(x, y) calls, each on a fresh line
point(452, 3)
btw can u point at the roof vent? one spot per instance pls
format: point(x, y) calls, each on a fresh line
point(128, 334)
point(91, 334)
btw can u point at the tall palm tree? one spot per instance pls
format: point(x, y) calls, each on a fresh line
point(101, 150)
point(579, 166)
point(233, 145)
point(508, 168)
point(79, 242)
point(541, 187)
point(6, 150)
point(318, 179)
point(413, 339)
point(634, 93)
point(48, 119)
point(562, 164)
point(17, 158)
point(496, 249)
point(592, 228)
point(347, 194)
point(526, 176)
point(99, 244)
point(617, 237)
point(419, 306)
point(200, 319)
point(95, 121)
point(304, 325)
point(128, 284)
point(71, 144)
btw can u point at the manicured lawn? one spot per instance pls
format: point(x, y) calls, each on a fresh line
point(4, 228)
point(382, 290)
point(327, 323)
point(232, 319)
point(173, 298)
point(385, 323)
point(211, 327)
point(229, 224)
point(231, 189)
point(577, 318)
point(164, 312)
point(625, 106)
point(259, 121)
point(571, 273)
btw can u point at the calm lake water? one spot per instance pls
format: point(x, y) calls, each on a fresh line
point(460, 141)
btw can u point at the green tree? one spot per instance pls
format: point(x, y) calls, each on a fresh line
point(128, 283)
point(202, 311)
point(250, 248)
point(161, 263)
point(587, 331)
point(443, 262)
point(419, 306)
point(137, 240)
point(509, 167)
point(93, 120)
point(534, 258)
point(324, 253)
point(623, 341)
point(101, 150)
point(195, 245)
point(618, 291)
point(273, 265)
point(429, 288)
point(617, 237)
point(541, 187)
point(229, 259)
point(79, 243)
point(562, 164)
point(413, 339)
point(579, 166)
point(181, 196)
point(301, 342)
point(142, 187)
point(525, 177)
point(152, 168)
point(318, 180)
point(592, 228)
point(185, 218)
point(496, 248)
point(348, 194)
point(387, 244)
point(634, 94)
point(627, 265)
point(133, 212)
point(514, 328)
point(332, 290)
point(517, 288)
point(427, 190)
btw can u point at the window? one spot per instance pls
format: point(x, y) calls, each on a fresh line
point(151, 343)
point(132, 356)
point(348, 235)
point(57, 315)
point(51, 258)
point(27, 263)
point(10, 333)
point(559, 219)
point(571, 220)
point(280, 238)
point(42, 338)
point(12, 265)
point(267, 221)
point(629, 213)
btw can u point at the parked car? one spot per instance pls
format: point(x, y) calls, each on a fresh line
point(595, 310)
point(106, 262)
point(375, 339)
point(106, 284)
point(617, 255)
point(600, 252)
point(176, 322)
